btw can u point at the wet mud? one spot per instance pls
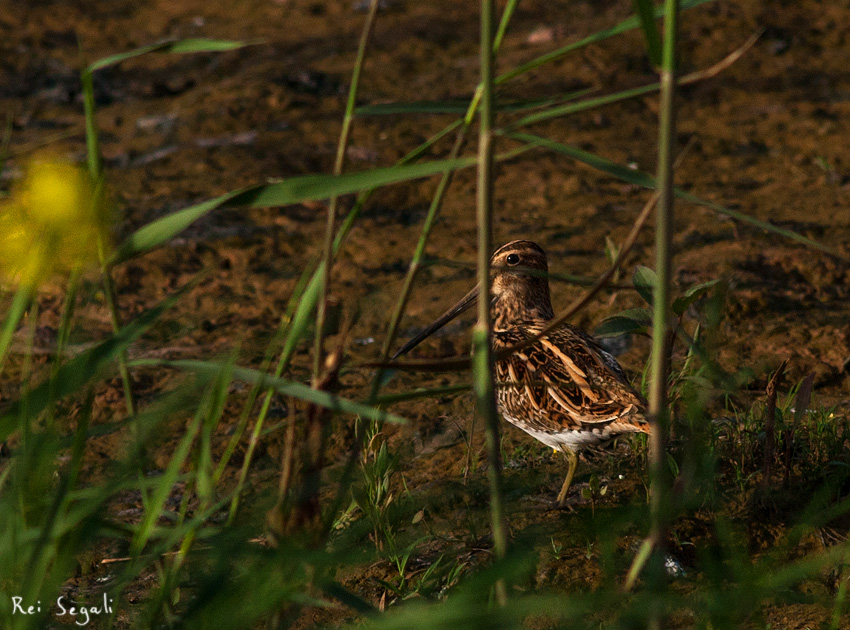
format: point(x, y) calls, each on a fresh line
point(766, 137)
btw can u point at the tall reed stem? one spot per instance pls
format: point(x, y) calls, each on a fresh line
point(662, 314)
point(345, 134)
point(482, 351)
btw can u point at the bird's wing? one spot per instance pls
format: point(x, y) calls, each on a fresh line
point(567, 380)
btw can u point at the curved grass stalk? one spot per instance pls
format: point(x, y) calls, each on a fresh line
point(327, 249)
point(317, 397)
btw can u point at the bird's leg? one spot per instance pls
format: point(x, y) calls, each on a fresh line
point(572, 460)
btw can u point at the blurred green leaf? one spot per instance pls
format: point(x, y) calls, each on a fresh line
point(640, 315)
point(14, 313)
point(164, 229)
point(645, 11)
point(82, 369)
point(342, 594)
point(156, 501)
point(317, 187)
point(469, 609)
point(431, 392)
point(616, 326)
point(289, 191)
point(645, 281)
point(281, 386)
point(681, 303)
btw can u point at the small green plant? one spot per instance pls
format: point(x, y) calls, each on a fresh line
point(375, 497)
point(594, 491)
point(453, 577)
point(407, 583)
point(557, 548)
point(639, 320)
point(811, 442)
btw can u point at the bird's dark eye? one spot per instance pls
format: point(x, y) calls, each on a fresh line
point(512, 259)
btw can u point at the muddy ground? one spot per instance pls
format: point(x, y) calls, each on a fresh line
point(767, 137)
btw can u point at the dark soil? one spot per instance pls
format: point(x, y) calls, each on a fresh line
point(767, 137)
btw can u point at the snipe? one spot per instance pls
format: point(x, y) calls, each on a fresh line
point(564, 389)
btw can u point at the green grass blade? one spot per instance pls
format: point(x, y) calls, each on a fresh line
point(590, 103)
point(213, 412)
point(153, 507)
point(183, 46)
point(623, 27)
point(93, 157)
point(328, 251)
point(47, 547)
point(164, 229)
point(764, 225)
point(660, 502)
point(315, 187)
point(645, 11)
point(16, 311)
point(281, 386)
point(482, 348)
point(302, 317)
point(461, 107)
point(290, 191)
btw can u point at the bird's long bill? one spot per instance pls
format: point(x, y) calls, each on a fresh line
point(468, 300)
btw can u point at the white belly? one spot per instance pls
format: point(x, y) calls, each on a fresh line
point(567, 440)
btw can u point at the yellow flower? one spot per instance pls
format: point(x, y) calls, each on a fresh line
point(53, 223)
point(56, 194)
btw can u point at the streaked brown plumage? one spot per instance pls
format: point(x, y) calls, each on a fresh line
point(564, 389)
